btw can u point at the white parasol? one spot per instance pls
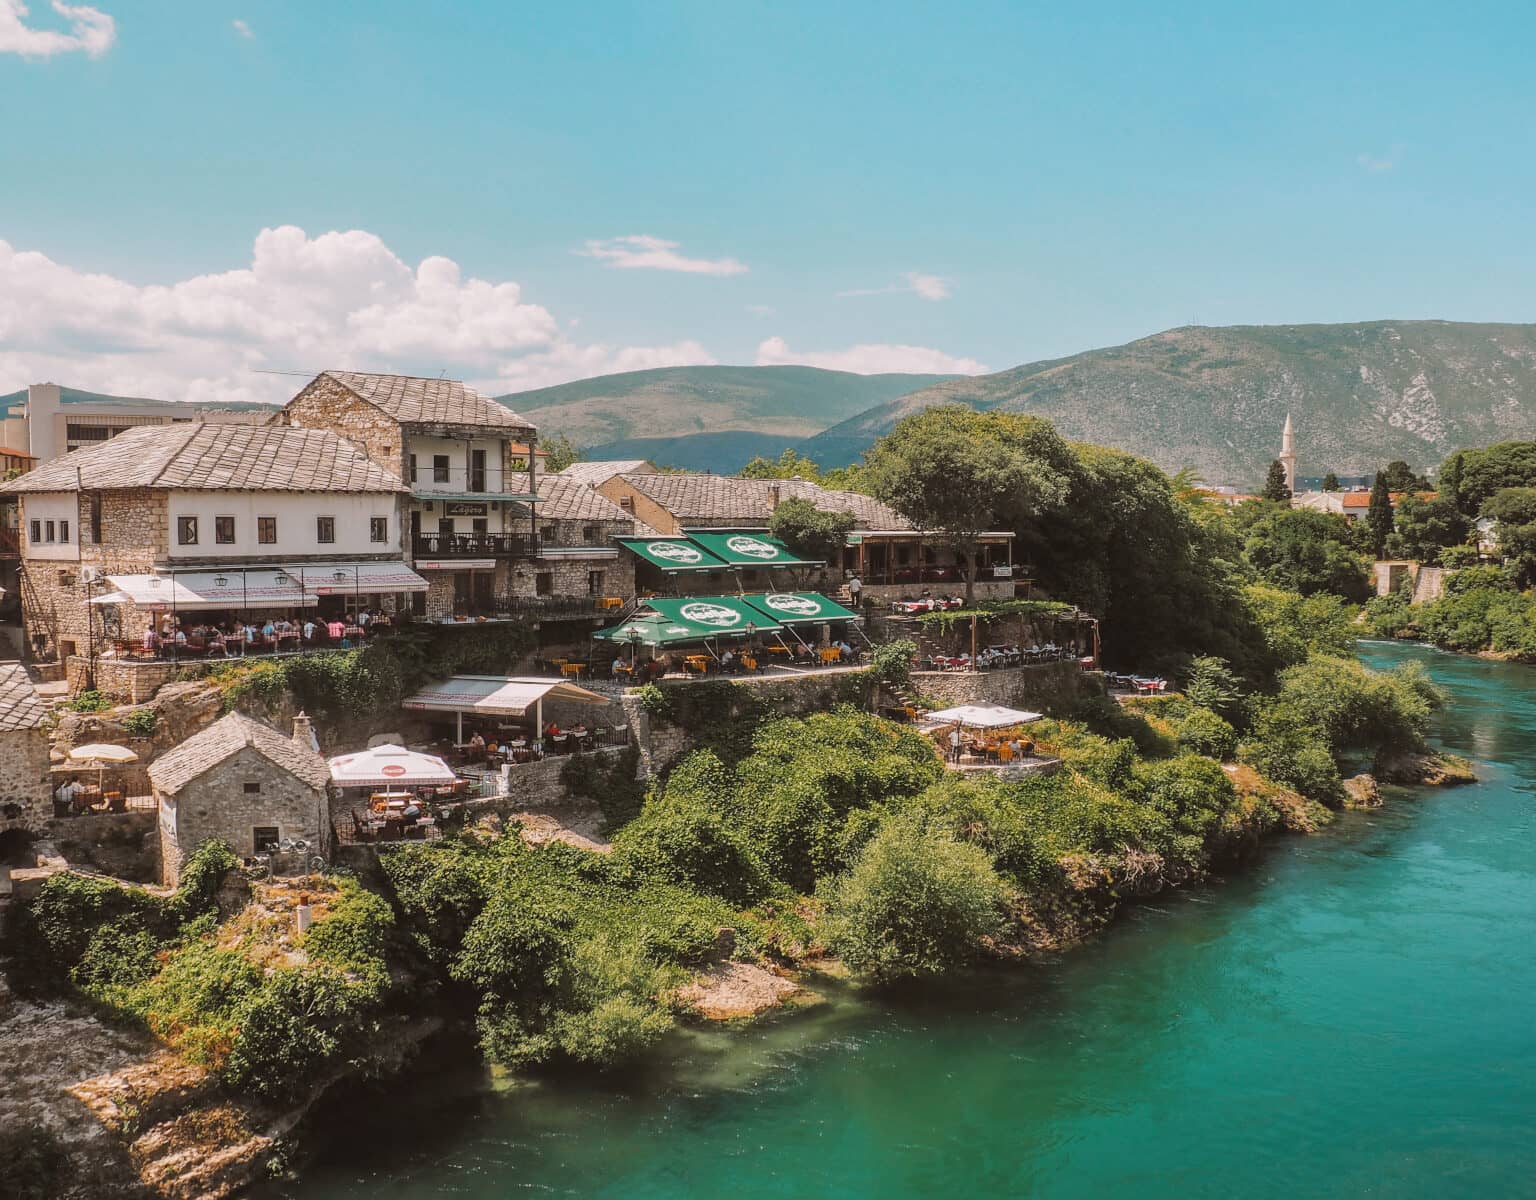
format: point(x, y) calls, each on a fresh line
point(388, 766)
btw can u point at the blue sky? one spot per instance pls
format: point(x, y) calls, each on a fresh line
point(999, 182)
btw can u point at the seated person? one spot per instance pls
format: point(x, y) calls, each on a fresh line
point(66, 792)
point(728, 661)
point(476, 742)
point(843, 648)
point(552, 730)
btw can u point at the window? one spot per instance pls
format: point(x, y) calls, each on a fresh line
point(37, 532)
point(413, 468)
point(50, 531)
point(378, 529)
point(477, 470)
point(266, 530)
point(589, 534)
point(544, 583)
point(439, 468)
point(325, 529)
point(479, 525)
point(547, 533)
point(627, 503)
point(252, 787)
point(265, 838)
point(96, 519)
point(186, 531)
point(594, 583)
point(445, 525)
point(63, 531)
point(224, 530)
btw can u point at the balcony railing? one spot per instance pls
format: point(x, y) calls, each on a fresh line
point(474, 545)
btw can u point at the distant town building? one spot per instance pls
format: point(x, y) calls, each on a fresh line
point(595, 474)
point(23, 751)
point(245, 783)
point(578, 551)
point(1350, 505)
point(203, 523)
point(48, 420)
point(1288, 453)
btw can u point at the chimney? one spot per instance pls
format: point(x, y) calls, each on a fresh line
point(773, 495)
point(304, 733)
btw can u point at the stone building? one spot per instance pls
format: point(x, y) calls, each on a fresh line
point(577, 558)
point(23, 751)
point(203, 522)
point(889, 554)
point(470, 465)
point(243, 782)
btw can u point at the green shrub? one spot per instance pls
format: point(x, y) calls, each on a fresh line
point(1206, 733)
point(610, 781)
point(891, 663)
point(916, 903)
point(440, 887)
point(683, 841)
point(140, 723)
point(1211, 684)
point(89, 701)
point(653, 701)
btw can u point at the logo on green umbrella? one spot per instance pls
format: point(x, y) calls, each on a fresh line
point(710, 614)
point(677, 552)
point(787, 602)
point(751, 547)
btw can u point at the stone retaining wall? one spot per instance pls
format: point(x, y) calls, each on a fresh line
point(1035, 687)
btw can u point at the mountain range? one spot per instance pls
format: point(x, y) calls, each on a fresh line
point(1213, 399)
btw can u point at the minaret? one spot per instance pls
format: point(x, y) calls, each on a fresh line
point(1288, 454)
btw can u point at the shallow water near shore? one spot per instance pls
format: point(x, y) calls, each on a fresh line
point(1353, 1015)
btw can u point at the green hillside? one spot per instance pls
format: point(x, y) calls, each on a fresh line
point(673, 402)
point(1216, 398)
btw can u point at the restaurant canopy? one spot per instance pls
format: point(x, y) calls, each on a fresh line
point(799, 608)
point(344, 578)
point(188, 591)
point(388, 766)
point(649, 630)
point(496, 696)
point(672, 554)
point(983, 716)
point(713, 616)
point(748, 549)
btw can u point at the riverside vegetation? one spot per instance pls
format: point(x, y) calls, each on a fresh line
point(791, 842)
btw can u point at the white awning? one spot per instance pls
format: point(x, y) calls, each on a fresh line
point(387, 765)
point(495, 695)
point(983, 716)
point(267, 587)
point(341, 578)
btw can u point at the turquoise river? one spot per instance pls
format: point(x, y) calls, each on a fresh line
point(1354, 1015)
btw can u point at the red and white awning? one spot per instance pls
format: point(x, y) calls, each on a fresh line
point(495, 695)
point(384, 766)
point(343, 578)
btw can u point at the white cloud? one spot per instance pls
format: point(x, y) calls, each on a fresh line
point(643, 252)
point(242, 28)
point(302, 304)
point(929, 287)
point(761, 310)
point(1376, 163)
point(869, 359)
point(90, 30)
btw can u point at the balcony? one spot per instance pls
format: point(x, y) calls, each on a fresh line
point(474, 545)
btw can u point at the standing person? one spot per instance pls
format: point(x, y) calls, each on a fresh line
point(954, 745)
point(855, 591)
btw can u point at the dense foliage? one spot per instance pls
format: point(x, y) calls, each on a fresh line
point(811, 533)
point(1305, 551)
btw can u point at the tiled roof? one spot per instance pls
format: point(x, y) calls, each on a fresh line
point(594, 473)
point(563, 499)
point(195, 456)
point(411, 400)
point(228, 735)
point(20, 705)
point(723, 498)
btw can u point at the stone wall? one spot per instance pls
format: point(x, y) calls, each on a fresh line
point(24, 794)
point(216, 805)
point(124, 845)
point(135, 530)
point(1038, 687)
point(324, 403)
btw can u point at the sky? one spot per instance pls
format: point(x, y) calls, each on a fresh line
point(196, 193)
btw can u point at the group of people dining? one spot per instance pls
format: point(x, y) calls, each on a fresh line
point(998, 656)
point(75, 797)
point(926, 603)
point(1004, 747)
point(734, 660)
point(518, 745)
point(174, 636)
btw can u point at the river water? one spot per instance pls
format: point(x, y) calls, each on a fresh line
point(1355, 1015)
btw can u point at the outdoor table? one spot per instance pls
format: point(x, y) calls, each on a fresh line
point(573, 669)
point(609, 603)
point(354, 632)
point(778, 649)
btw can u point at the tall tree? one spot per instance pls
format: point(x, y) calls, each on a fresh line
point(789, 465)
point(1400, 477)
point(559, 453)
point(812, 534)
point(958, 473)
point(1274, 483)
point(1515, 511)
point(1330, 482)
point(1378, 515)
